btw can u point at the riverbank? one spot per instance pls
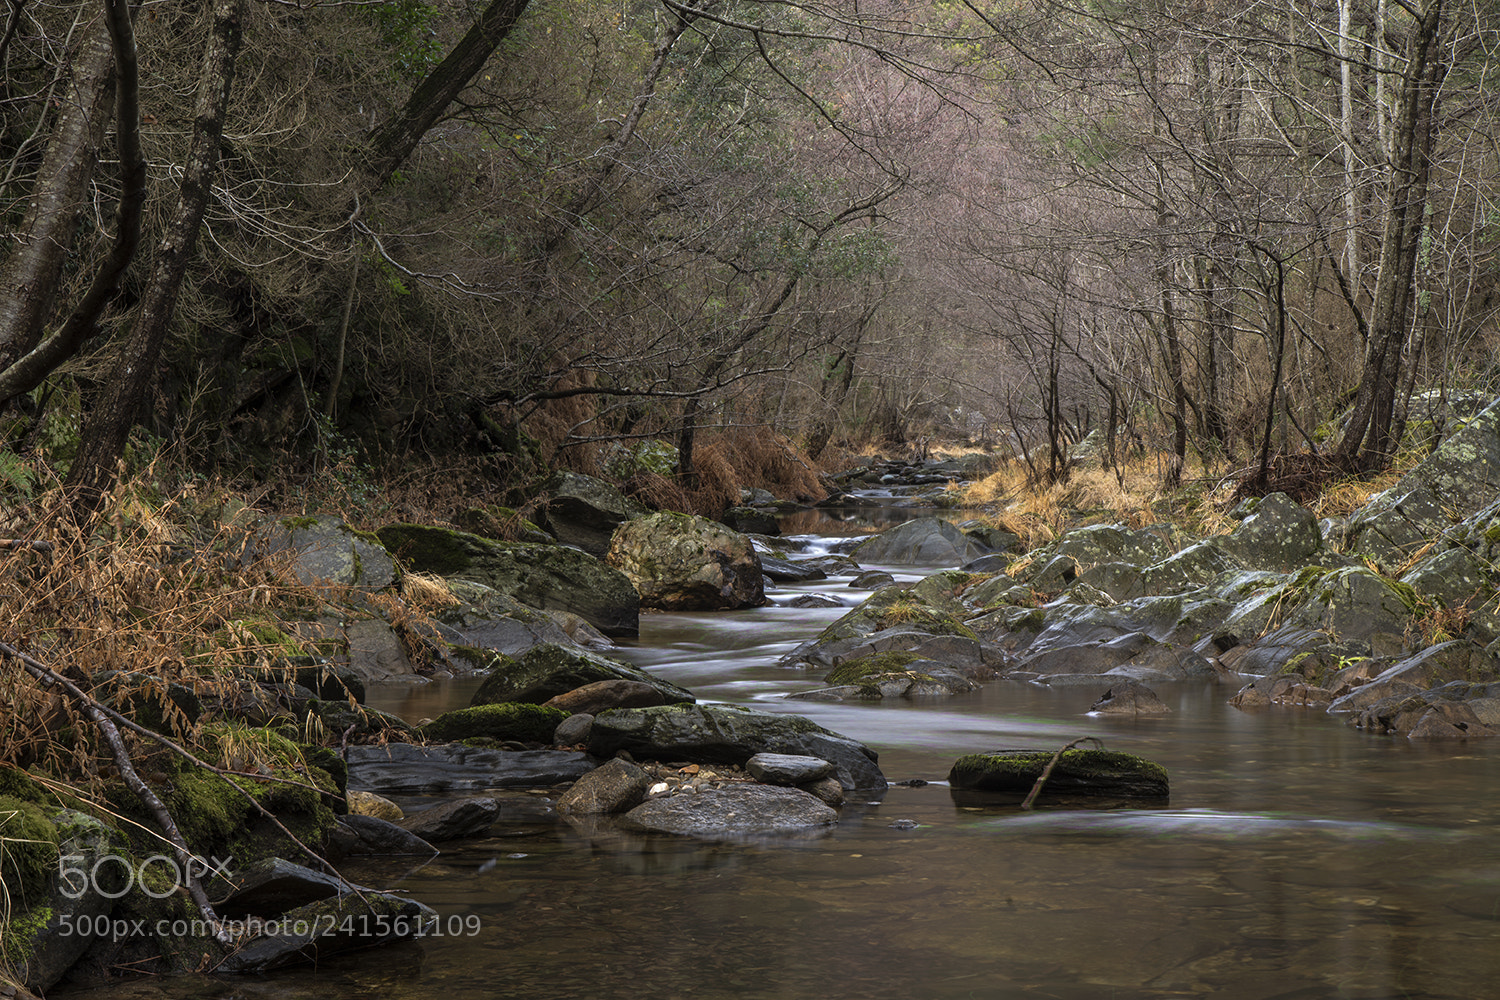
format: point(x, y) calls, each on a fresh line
point(317, 611)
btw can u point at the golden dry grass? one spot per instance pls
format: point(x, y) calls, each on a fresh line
point(1014, 503)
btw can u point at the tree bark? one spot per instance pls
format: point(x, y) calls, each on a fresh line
point(394, 141)
point(28, 280)
point(1367, 440)
point(109, 422)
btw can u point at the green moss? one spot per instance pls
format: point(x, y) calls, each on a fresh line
point(18, 934)
point(28, 849)
point(16, 783)
point(852, 671)
point(504, 721)
point(433, 550)
point(1079, 771)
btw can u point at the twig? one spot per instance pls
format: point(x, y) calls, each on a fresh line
point(1036, 789)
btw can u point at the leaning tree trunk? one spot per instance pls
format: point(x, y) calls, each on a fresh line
point(29, 277)
point(109, 421)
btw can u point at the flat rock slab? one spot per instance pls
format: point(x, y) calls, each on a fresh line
point(1078, 772)
point(787, 769)
point(371, 836)
point(402, 767)
point(272, 886)
point(745, 810)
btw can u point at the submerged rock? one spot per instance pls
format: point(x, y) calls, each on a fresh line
point(1078, 772)
point(735, 811)
point(453, 820)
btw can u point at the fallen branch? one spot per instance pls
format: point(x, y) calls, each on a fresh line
point(108, 722)
point(1036, 789)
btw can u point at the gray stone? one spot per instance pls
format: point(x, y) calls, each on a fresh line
point(402, 767)
point(872, 579)
point(317, 931)
point(326, 550)
point(453, 820)
point(370, 836)
point(789, 571)
point(51, 949)
point(583, 511)
point(546, 577)
point(548, 671)
point(739, 810)
point(1077, 772)
point(600, 696)
point(617, 786)
point(787, 769)
point(924, 541)
point(826, 790)
point(730, 735)
point(271, 886)
point(573, 730)
point(813, 601)
point(1130, 698)
point(1281, 534)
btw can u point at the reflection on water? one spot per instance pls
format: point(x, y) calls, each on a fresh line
point(1296, 859)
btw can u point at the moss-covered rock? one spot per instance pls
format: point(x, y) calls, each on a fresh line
point(682, 562)
point(28, 850)
point(542, 576)
point(549, 670)
point(852, 671)
point(326, 550)
point(729, 735)
point(506, 721)
point(1078, 772)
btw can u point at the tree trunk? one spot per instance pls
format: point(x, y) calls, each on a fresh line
point(109, 422)
point(28, 280)
point(394, 141)
point(1367, 440)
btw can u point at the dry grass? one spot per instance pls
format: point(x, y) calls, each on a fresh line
point(1039, 514)
point(148, 597)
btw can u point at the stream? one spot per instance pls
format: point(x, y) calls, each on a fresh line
point(1298, 858)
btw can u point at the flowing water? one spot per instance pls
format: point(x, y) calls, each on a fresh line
point(1298, 858)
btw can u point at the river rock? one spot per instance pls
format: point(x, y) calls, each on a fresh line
point(814, 601)
point(44, 927)
point(872, 579)
point(1130, 698)
point(573, 730)
point(1078, 772)
point(583, 511)
point(270, 886)
point(742, 809)
point(453, 820)
point(730, 735)
point(370, 804)
point(1456, 660)
point(752, 521)
point(1461, 476)
point(601, 696)
point(682, 562)
point(402, 767)
point(319, 930)
point(1279, 534)
point(617, 786)
point(548, 670)
point(504, 721)
point(542, 576)
point(787, 769)
point(326, 550)
point(924, 541)
point(789, 571)
point(371, 836)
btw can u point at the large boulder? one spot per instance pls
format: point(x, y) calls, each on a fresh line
point(729, 734)
point(547, 671)
point(1461, 477)
point(1279, 534)
point(681, 562)
point(546, 577)
point(924, 541)
point(324, 550)
point(584, 511)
